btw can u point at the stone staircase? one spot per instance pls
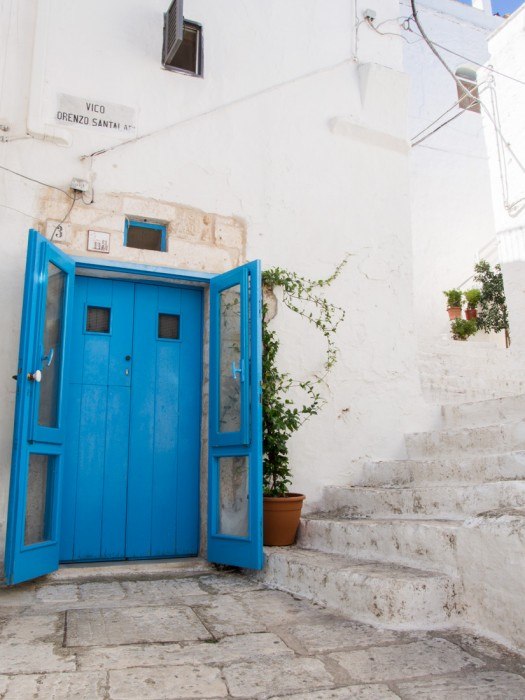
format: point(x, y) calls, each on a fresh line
point(433, 541)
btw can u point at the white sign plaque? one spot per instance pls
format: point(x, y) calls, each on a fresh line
point(98, 241)
point(59, 233)
point(98, 115)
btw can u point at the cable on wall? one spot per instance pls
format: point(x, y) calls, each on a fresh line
point(406, 26)
point(454, 116)
point(65, 217)
point(32, 179)
point(466, 92)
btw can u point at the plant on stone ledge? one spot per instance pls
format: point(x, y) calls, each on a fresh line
point(462, 328)
point(282, 416)
point(493, 315)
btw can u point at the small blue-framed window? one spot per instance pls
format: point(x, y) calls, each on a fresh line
point(141, 233)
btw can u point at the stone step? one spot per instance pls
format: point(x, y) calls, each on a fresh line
point(130, 570)
point(376, 593)
point(491, 439)
point(418, 543)
point(487, 381)
point(439, 394)
point(452, 501)
point(461, 469)
point(439, 390)
point(481, 413)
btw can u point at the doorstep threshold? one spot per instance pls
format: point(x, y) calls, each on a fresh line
point(130, 570)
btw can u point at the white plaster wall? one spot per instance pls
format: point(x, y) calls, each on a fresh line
point(451, 205)
point(286, 132)
point(507, 55)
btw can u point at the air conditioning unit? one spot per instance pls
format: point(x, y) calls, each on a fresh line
point(173, 31)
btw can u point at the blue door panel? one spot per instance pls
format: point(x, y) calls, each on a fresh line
point(94, 504)
point(132, 477)
point(90, 465)
point(188, 475)
point(163, 479)
point(115, 474)
point(32, 542)
point(70, 472)
point(142, 426)
point(235, 429)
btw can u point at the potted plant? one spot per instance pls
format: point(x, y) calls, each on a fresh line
point(453, 303)
point(472, 297)
point(493, 315)
point(283, 413)
point(463, 329)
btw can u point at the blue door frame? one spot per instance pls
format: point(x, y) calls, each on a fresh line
point(235, 457)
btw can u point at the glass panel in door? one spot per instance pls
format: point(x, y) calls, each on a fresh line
point(51, 357)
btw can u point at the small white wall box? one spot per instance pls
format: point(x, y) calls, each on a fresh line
point(59, 233)
point(98, 241)
point(79, 185)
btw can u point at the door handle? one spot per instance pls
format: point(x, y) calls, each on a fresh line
point(238, 370)
point(48, 359)
point(35, 376)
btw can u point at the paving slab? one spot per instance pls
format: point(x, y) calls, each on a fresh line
point(65, 593)
point(421, 658)
point(229, 583)
point(163, 590)
point(494, 685)
point(335, 633)
point(167, 683)
point(353, 692)
point(278, 608)
point(30, 628)
point(101, 592)
point(86, 628)
point(261, 679)
point(19, 596)
point(36, 657)
point(228, 650)
point(229, 615)
point(55, 686)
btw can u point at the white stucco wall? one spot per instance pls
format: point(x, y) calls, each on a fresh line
point(451, 205)
point(286, 133)
point(507, 55)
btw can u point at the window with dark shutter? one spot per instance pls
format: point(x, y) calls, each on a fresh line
point(182, 49)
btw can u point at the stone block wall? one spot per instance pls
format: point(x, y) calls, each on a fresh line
point(196, 240)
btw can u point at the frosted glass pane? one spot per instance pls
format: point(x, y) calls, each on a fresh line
point(52, 341)
point(230, 358)
point(233, 496)
point(37, 518)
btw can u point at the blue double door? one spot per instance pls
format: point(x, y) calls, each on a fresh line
point(133, 422)
point(107, 431)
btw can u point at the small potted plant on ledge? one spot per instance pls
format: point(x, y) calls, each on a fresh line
point(472, 297)
point(283, 415)
point(462, 328)
point(454, 297)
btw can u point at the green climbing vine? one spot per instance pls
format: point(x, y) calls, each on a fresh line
point(282, 416)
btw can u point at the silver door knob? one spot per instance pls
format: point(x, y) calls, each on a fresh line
point(35, 376)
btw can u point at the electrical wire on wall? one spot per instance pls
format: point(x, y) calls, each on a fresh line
point(65, 217)
point(32, 179)
point(463, 90)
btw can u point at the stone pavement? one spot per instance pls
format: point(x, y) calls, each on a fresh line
point(207, 634)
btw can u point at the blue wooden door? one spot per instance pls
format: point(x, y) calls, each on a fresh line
point(131, 482)
point(32, 545)
point(235, 429)
point(96, 454)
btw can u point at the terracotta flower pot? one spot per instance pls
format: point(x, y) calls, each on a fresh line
point(471, 313)
point(454, 312)
point(281, 519)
